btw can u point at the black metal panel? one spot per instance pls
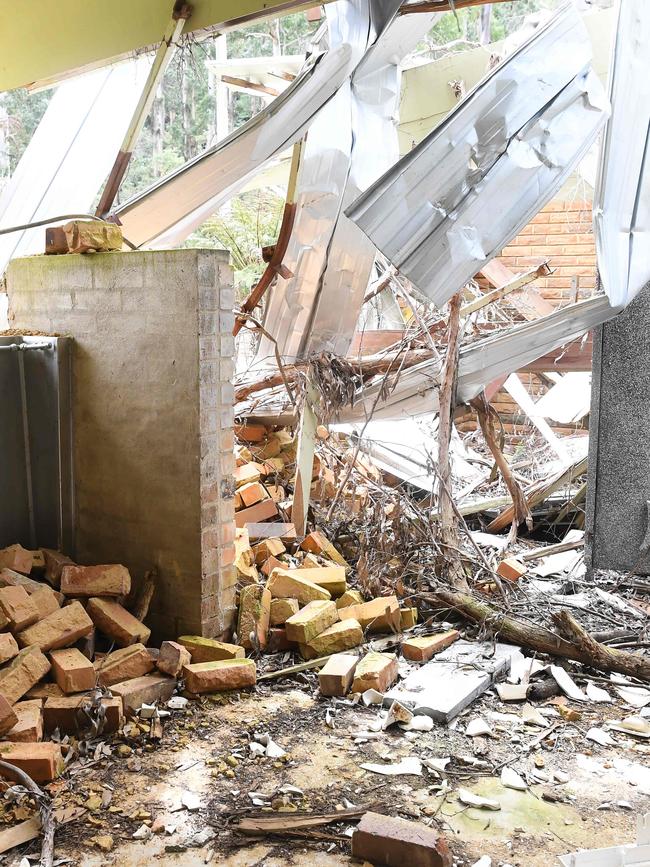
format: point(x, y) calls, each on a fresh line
point(36, 502)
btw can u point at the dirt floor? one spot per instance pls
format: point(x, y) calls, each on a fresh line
point(132, 784)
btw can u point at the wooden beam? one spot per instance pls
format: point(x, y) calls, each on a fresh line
point(444, 5)
point(245, 84)
point(520, 280)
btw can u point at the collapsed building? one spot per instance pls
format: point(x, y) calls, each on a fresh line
point(368, 522)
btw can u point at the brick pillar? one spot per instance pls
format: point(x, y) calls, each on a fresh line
point(216, 391)
point(153, 417)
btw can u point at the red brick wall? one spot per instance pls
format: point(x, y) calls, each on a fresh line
point(561, 233)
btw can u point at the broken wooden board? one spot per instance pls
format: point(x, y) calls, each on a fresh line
point(452, 680)
point(294, 821)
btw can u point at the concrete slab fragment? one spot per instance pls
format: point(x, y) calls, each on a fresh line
point(452, 680)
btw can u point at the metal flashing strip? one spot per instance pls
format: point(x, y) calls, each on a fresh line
point(331, 260)
point(455, 200)
point(622, 196)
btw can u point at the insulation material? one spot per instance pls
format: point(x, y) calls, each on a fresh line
point(70, 153)
point(330, 259)
point(622, 199)
point(455, 200)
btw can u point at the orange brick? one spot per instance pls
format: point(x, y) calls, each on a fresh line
point(226, 674)
point(425, 647)
point(8, 716)
point(511, 569)
point(42, 762)
point(17, 558)
point(123, 664)
point(8, 647)
point(149, 689)
point(116, 622)
point(72, 670)
point(29, 726)
point(259, 513)
point(54, 563)
point(105, 580)
point(17, 607)
point(46, 601)
point(252, 493)
point(60, 629)
point(172, 658)
point(67, 714)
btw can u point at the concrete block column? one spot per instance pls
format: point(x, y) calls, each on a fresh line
point(153, 417)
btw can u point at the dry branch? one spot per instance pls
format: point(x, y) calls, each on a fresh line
point(574, 643)
point(520, 509)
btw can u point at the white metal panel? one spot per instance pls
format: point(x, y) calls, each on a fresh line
point(70, 153)
point(622, 199)
point(453, 202)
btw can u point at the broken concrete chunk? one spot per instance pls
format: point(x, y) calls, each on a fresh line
point(24, 670)
point(54, 563)
point(8, 716)
point(60, 629)
point(29, 725)
point(445, 686)
point(8, 647)
point(331, 578)
point(343, 635)
point(108, 580)
point(172, 658)
point(17, 607)
point(72, 671)
point(123, 664)
point(116, 622)
point(46, 601)
point(209, 649)
point(282, 610)
point(471, 800)
point(375, 671)
point(350, 597)
point(381, 839)
point(219, 676)
point(378, 615)
point(318, 543)
point(42, 762)
point(17, 558)
point(149, 689)
point(511, 569)
point(310, 621)
point(336, 676)
point(268, 548)
point(254, 616)
point(423, 648)
point(72, 714)
point(289, 584)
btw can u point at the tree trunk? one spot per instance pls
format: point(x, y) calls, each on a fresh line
point(158, 130)
point(485, 24)
point(573, 643)
point(452, 566)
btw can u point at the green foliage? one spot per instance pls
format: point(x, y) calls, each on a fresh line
point(24, 113)
point(250, 221)
point(464, 26)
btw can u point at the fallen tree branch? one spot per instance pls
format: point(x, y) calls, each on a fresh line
point(578, 646)
point(520, 509)
point(48, 822)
